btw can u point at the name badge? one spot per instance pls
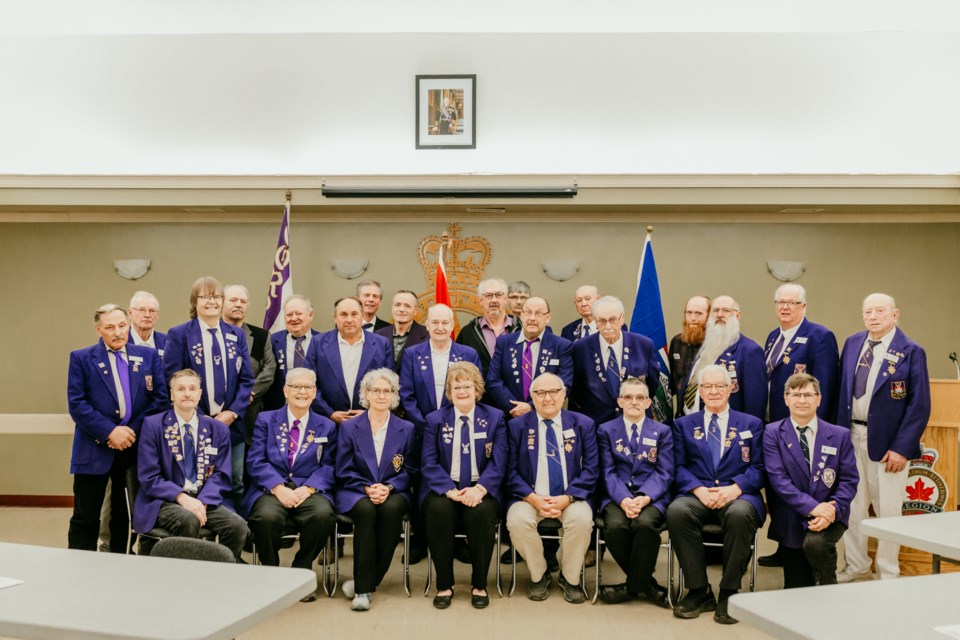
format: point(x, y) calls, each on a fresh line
point(732, 372)
point(569, 433)
point(160, 352)
point(321, 440)
point(830, 451)
point(554, 363)
point(210, 451)
point(676, 356)
point(746, 435)
point(479, 436)
point(135, 358)
point(649, 442)
point(891, 357)
point(802, 340)
point(231, 337)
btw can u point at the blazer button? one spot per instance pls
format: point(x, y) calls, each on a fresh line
point(716, 482)
point(117, 412)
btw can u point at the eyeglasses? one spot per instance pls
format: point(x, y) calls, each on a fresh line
point(381, 392)
point(546, 393)
point(220, 298)
point(723, 311)
point(147, 312)
point(714, 387)
point(787, 303)
point(803, 396)
point(533, 314)
point(460, 388)
point(299, 388)
point(491, 296)
point(632, 398)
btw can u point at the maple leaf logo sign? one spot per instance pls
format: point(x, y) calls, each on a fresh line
point(919, 491)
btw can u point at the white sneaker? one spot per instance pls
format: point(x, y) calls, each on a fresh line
point(361, 602)
point(348, 589)
point(847, 576)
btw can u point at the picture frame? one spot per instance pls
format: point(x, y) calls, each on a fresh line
point(446, 112)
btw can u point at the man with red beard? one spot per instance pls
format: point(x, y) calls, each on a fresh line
point(684, 346)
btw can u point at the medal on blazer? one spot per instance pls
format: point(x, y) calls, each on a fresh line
point(397, 462)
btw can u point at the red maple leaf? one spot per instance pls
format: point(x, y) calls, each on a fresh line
point(919, 491)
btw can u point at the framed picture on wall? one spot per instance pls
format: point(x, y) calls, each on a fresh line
point(447, 112)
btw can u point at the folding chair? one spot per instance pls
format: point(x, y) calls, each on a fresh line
point(463, 536)
point(713, 537)
point(156, 534)
point(290, 532)
point(600, 528)
point(342, 529)
point(547, 529)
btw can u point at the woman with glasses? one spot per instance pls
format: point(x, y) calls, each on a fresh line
point(464, 453)
point(374, 468)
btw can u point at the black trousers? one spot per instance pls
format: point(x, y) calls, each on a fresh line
point(634, 543)
point(376, 532)
point(231, 529)
point(816, 562)
point(88, 492)
point(444, 518)
point(314, 519)
point(686, 516)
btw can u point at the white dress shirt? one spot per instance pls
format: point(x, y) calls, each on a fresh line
point(350, 361)
point(542, 485)
point(440, 361)
point(208, 363)
point(861, 405)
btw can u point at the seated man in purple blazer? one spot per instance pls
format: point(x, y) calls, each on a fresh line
point(812, 470)
point(291, 471)
point(552, 470)
point(521, 357)
point(636, 460)
point(718, 457)
point(341, 358)
point(184, 470)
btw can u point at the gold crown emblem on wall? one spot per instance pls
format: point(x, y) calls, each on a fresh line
point(465, 260)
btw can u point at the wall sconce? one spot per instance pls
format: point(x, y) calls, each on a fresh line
point(131, 269)
point(561, 271)
point(786, 271)
point(349, 269)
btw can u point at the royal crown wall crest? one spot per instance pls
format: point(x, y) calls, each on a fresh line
point(465, 260)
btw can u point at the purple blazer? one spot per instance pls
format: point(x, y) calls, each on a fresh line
point(417, 392)
point(579, 445)
point(812, 350)
point(323, 357)
point(159, 339)
point(267, 460)
point(185, 351)
point(160, 466)
point(744, 361)
point(741, 464)
point(93, 404)
point(626, 473)
point(437, 456)
point(357, 460)
point(416, 335)
point(834, 477)
point(505, 376)
point(900, 405)
point(590, 393)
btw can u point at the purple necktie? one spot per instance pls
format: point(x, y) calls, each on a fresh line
point(863, 370)
point(527, 366)
point(466, 450)
point(299, 357)
point(294, 443)
point(123, 372)
point(219, 379)
point(772, 357)
point(713, 437)
point(586, 332)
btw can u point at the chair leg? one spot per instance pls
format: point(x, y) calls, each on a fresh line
point(336, 561)
point(429, 583)
point(753, 565)
point(496, 560)
point(596, 582)
point(406, 557)
point(513, 569)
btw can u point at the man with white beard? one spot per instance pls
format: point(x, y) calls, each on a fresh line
point(739, 355)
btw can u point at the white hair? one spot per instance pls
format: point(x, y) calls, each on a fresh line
point(801, 292)
point(609, 301)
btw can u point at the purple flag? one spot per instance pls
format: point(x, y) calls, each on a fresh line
point(281, 284)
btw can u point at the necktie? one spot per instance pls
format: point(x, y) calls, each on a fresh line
point(554, 466)
point(804, 445)
point(613, 373)
point(368, 326)
point(219, 378)
point(586, 331)
point(713, 437)
point(466, 466)
point(774, 355)
point(294, 443)
point(123, 372)
point(527, 366)
point(634, 439)
point(690, 393)
point(189, 453)
point(863, 370)
point(299, 356)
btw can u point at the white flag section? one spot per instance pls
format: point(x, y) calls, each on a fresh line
point(648, 319)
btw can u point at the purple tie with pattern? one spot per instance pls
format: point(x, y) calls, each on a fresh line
point(863, 370)
point(527, 366)
point(774, 355)
point(299, 357)
point(294, 443)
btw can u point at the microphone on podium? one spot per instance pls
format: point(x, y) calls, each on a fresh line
point(953, 356)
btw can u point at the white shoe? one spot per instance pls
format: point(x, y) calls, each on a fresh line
point(348, 589)
point(847, 576)
point(361, 602)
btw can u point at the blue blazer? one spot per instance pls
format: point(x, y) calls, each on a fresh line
point(274, 398)
point(437, 456)
point(579, 445)
point(572, 331)
point(93, 404)
point(813, 350)
point(159, 339)
point(590, 393)
point(626, 473)
point(799, 490)
point(185, 351)
point(900, 405)
point(267, 464)
point(357, 460)
point(323, 357)
point(417, 392)
point(741, 464)
point(744, 361)
point(160, 466)
point(505, 376)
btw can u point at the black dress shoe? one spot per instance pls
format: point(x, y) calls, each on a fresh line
point(772, 560)
point(442, 602)
point(691, 606)
point(479, 602)
point(615, 593)
point(655, 594)
point(721, 615)
point(540, 590)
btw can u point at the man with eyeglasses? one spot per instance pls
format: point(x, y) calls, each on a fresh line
point(519, 358)
point(552, 470)
point(813, 472)
point(885, 401)
point(517, 293)
point(725, 346)
point(685, 345)
point(636, 462)
point(144, 312)
point(218, 353)
point(290, 345)
point(601, 362)
point(482, 332)
point(291, 469)
point(718, 458)
point(405, 332)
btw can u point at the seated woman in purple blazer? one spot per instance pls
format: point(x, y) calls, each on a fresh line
point(464, 453)
point(374, 468)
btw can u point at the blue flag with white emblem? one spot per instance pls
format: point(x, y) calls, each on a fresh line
point(648, 319)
